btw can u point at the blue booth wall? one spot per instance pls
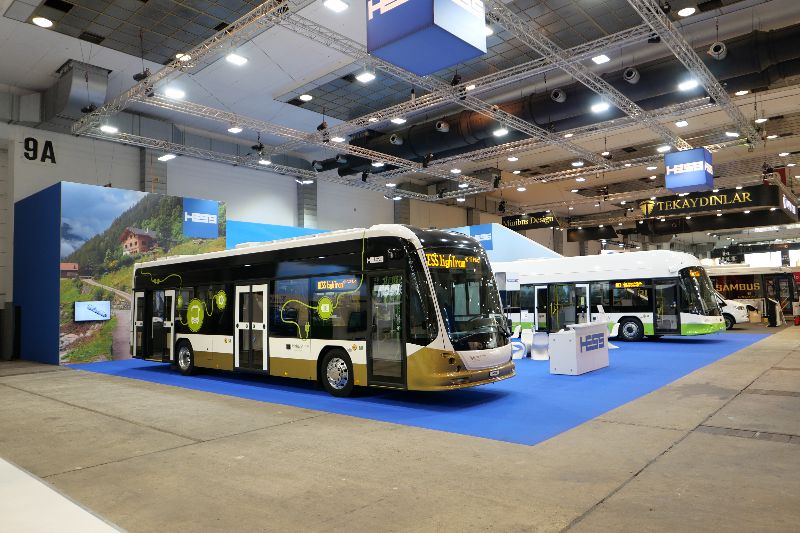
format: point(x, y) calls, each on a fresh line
point(503, 244)
point(240, 232)
point(37, 244)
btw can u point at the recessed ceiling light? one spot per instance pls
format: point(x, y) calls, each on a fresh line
point(574, 190)
point(372, 119)
point(652, 197)
point(234, 129)
point(579, 180)
point(600, 225)
point(605, 153)
point(651, 168)
point(568, 135)
point(746, 211)
point(732, 134)
point(773, 208)
point(303, 182)
point(500, 132)
point(715, 190)
point(306, 97)
point(687, 85)
point(167, 157)
point(235, 59)
point(623, 202)
point(460, 199)
point(377, 164)
point(365, 76)
point(515, 171)
point(761, 120)
point(263, 161)
point(577, 164)
point(172, 92)
point(627, 164)
point(600, 107)
point(600, 59)
point(663, 220)
point(521, 189)
point(688, 218)
point(463, 185)
point(513, 158)
point(470, 87)
point(772, 136)
point(791, 164)
point(741, 93)
point(391, 185)
point(42, 22)
point(108, 128)
point(597, 205)
point(397, 198)
point(653, 177)
point(337, 6)
point(338, 139)
point(455, 171)
point(398, 120)
point(570, 208)
point(738, 187)
point(183, 58)
point(488, 29)
point(719, 214)
point(783, 154)
point(620, 225)
point(681, 124)
point(686, 12)
point(663, 149)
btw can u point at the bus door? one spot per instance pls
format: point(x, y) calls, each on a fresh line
point(385, 346)
point(561, 308)
point(666, 314)
point(161, 320)
point(541, 308)
point(582, 309)
point(250, 324)
point(138, 324)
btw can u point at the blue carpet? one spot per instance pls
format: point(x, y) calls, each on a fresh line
point(526, 409)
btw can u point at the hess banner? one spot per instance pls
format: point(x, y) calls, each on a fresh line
point(689, 170)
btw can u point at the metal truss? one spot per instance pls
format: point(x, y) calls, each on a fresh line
point(242, 29)
point(538, 42)
point(336, 41)
point(227, 117)
point(652, 14)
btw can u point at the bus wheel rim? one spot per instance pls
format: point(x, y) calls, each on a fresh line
point(630, 329)
point(337, 373)
point(184, 357)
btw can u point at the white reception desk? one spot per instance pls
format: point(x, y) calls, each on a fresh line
point(581, 349)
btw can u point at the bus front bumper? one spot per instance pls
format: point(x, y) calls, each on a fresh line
point(464, 378)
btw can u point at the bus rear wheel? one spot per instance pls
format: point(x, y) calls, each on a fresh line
point(336, 373)
point(729, 321)
point(630, 329)
point(185, 358)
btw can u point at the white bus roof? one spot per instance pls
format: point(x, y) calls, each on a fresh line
point(745, 270)
point(629, 265)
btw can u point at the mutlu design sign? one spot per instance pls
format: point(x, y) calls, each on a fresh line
point(425, 36)
point(529, 221)
point(725, 199)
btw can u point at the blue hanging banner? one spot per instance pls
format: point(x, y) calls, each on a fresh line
point(425, 36)
point(689, 170)
point(200, 218)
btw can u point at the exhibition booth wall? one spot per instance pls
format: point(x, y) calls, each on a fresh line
point(503, 244)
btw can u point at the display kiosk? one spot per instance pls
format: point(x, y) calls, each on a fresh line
point(580, 349)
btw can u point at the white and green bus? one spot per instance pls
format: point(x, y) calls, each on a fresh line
point(648, 294)
point(388, 306)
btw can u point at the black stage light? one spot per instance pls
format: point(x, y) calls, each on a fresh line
point(139, 76)
point(89, 108)
point(322, 126)
point(456, 79)
point(501, 207)
point(496, 182)
point(427, 160)
point(364, 176)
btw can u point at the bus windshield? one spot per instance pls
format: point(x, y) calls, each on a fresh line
point(468, 298)
point(698, 293)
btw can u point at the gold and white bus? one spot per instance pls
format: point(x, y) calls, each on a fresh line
point(388, 306)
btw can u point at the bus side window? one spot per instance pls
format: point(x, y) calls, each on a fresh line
point(289, 321)
point(600, 296)
point(422, 329)
point(184, 297)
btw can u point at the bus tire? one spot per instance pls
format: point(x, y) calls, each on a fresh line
point(729, 321)
point(184, 356)
point(336, 373)
point(631, 329)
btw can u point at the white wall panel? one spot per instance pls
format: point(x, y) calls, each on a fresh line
point(342, 207)
point(433, 215)
point(251, 195)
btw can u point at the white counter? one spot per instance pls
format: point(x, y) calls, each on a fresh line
point(581, 349)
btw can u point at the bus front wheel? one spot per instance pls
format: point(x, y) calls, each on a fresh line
point(337, 373)
point(185, 357)
point(729, 321)
point(630, 329)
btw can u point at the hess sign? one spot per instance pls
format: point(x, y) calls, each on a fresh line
point(425, 36)
point(200, 218)
point(689, 170)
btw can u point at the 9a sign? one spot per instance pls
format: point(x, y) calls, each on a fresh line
point(42, 152)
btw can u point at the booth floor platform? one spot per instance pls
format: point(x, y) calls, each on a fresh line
point(527, 409)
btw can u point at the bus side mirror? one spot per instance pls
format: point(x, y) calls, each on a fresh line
point(509, 323)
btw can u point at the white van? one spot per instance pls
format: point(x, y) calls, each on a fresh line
point(733, 311)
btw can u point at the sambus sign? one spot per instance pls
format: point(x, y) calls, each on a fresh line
point(425, 36)
point(689, 170)
point(200, 218)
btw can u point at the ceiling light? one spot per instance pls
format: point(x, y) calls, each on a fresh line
point(377, 164)
point(470, 87)
point(597, 205)
point(627, 164)
point(653, 177)
point(580, 179)
point(605, 153)
point(577, 164)
point(366, 76)
point(235, 59)
point(521, 189)
point(306, 97)
point(500, 132)
point(488, 29)
point(746, 211)
point(738, 187)
point(304, 182)
point(663, 149)
point(337, 6)
point(681, 124)
point(620, 225)
point(623, 202)
point(686, 12)
point(455, 171)
point(183, 58)
point(783, 154)
point(108, 128)
point(602, 58)
point(373, 119)
point(171, 92)
point(42, 22)
point(715, 190)
point(513, 158)
point(397, 198)
point(600, 107)
point(568, 135)
point(574, 190)
point(263, 161)
point(398, 120)
point(338, 139)
point(761, 120)
point(688, 218)
point(773, 208)
point(651, 168)
point(652, 197)
point(515, 171)
point(460, 199)
point(570, 208)
point(167, 157)
point(687, 85)
point(741, 93)
point(772, 136)
point(234, 129)
point(732, 134)
point(791, 164)
point(391, 185)
point(663, 220)
point(719, 214)
point(463, 185)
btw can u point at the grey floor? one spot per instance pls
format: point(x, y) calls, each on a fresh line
point(718, 450)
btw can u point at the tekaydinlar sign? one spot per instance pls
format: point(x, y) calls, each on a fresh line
point(689, 170)
point(529, 221)
point(425, 36)
point(725, 199)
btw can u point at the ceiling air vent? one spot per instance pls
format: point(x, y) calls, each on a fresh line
point(221, 26)
point(295, 101)
point(350, 78)
point(59, 5)
point(90, 37)
point(629, 150)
